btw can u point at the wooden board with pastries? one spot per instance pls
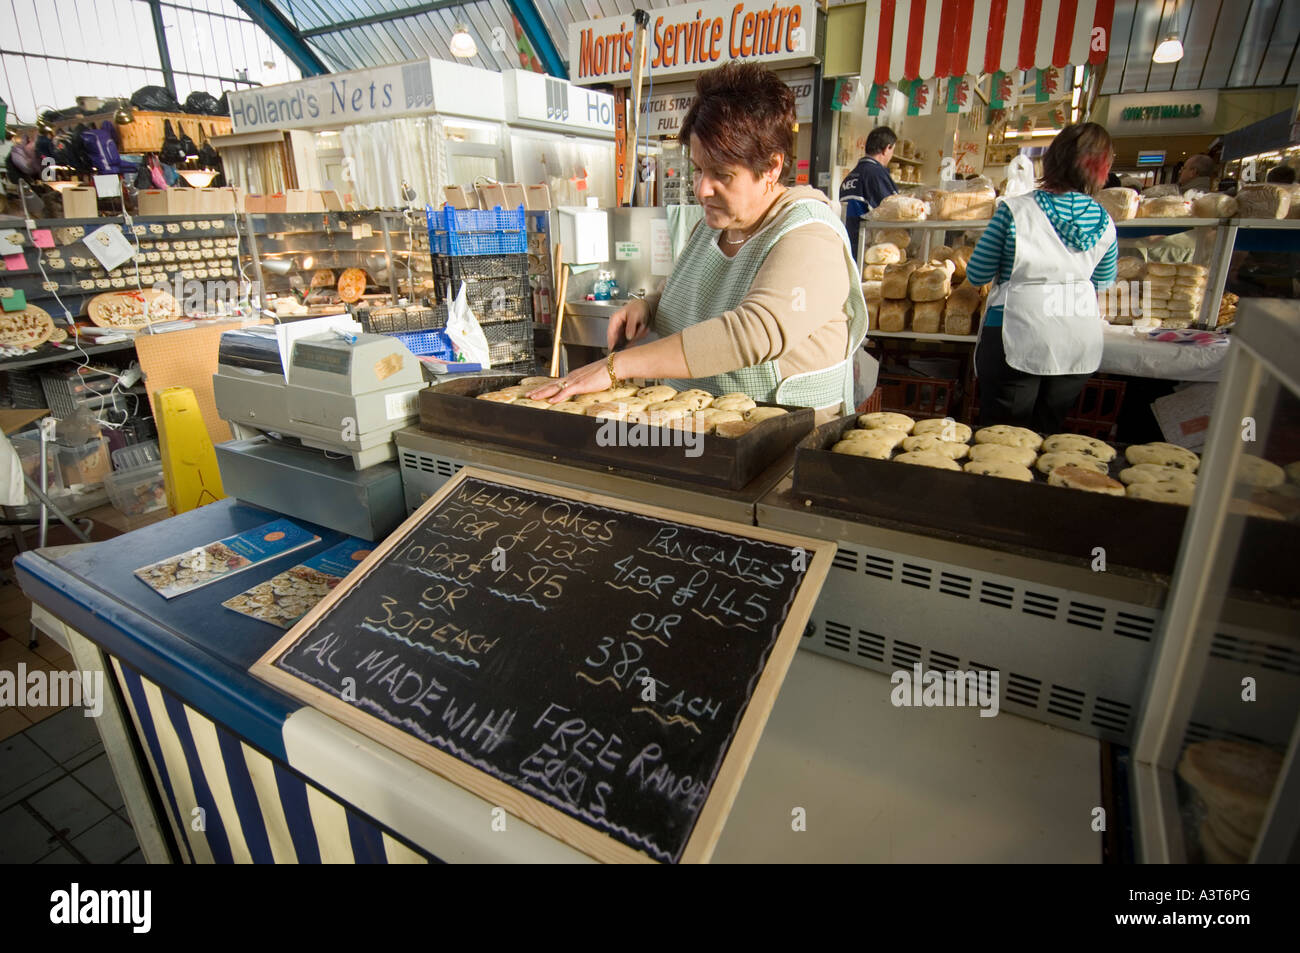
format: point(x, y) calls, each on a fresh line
point(1030, 515)
point(698, 458)
point(132, 309)
point(30, 327)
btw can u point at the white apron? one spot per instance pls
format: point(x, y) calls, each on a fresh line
point(1051, 322)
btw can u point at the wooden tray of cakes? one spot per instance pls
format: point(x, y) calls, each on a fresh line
point(1067, 494)
point(725, 441)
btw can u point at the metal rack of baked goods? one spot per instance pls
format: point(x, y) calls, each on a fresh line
point(1063, 592)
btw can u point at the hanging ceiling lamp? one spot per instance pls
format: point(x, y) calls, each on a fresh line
point(1169, 51)
point(462, 44)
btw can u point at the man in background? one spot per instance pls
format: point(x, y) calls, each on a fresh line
point(869, 183)
point(1197, 173)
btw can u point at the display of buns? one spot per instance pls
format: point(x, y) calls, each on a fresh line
point(694, 410)
point(1153, 472)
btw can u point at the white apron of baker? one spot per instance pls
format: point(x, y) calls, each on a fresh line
point(1051, 323)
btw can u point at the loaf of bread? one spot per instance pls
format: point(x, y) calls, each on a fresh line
point(1161, 191)
point(883, 253)
point(899, 237)
point(930, 283)
point(961, 205)
point(1165, 206)
point(873, 272)
point(1214, 205)
point(871, 291)
point(893, 314)
point(960, 310)
point(900, 208)
point(1294, 210)
point(1129, 268)
point(1263, 201)
point(894, 282)
point(1121, 204)
point(927, 316)
point(958, 256)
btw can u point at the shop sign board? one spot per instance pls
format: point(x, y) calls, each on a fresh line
point(1163, 113)
point(662, 113)
point(336, 99)
point(694, 37)
point(544, 102)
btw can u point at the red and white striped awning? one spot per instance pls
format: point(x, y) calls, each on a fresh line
point(921, 39)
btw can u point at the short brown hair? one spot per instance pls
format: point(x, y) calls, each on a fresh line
point(743, 113)
point(1078, 160)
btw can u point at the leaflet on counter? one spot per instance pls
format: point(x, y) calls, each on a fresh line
point(203, 565)
point(285, 598)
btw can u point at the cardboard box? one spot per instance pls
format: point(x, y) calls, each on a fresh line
point(275, 204)
point(184, 201)
point(255, 203)
point(491, 196)
point(537, 198)
point(332, 201)
point(514, 193)
point(303, 200)
point(80, 202)
point(153, 202)
point(460, 197)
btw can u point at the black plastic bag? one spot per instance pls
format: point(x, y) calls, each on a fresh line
point(223, 105)
point(156, 99)
point(208, 157)
point(187, 145)
point(202, 104)
point(171, 152)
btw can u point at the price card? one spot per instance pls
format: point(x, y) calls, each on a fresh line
point(15, 301)
point(109, 246)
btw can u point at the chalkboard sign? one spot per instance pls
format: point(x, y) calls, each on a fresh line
point(600, 668)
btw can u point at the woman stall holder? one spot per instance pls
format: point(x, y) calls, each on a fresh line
point(1048, 251)
point(764, 298)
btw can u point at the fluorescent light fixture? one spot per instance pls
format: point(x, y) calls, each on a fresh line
point(1169, 51)
point(463, 45)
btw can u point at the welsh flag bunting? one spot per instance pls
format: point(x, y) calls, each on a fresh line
point(878, 98)
point(920, 98)
point(1002, 94)
point(1047, 84)
point(958, 95)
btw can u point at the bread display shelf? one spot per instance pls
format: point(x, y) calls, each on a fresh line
point(731, 463)
point(1135, 534)
point(917, 336)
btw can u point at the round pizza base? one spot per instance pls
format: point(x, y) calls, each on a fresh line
point(30, 327)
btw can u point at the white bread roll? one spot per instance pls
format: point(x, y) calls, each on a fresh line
point(883, 253)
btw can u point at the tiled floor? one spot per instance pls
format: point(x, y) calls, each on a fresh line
point(59, 803)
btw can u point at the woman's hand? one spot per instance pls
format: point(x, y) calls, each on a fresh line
point(630, 323)
point(585, 380)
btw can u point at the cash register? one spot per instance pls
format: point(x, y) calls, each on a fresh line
point(314, 428)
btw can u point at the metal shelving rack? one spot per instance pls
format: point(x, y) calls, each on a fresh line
point(1184, 699)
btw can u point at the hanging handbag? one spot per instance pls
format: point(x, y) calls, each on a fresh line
point(171, 151)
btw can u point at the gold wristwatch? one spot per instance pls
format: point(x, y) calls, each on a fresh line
point(609, 367)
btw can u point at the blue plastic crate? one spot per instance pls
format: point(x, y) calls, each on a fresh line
point(478, 243)
point(428, 344)
point(448, 219)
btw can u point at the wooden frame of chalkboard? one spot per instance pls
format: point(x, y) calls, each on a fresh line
point(647, 789)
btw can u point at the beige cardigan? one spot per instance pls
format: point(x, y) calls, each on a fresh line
point(794, 312)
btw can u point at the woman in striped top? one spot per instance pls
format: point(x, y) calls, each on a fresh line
point(1048, 253)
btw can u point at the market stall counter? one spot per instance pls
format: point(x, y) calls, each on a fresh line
point(219, 766)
